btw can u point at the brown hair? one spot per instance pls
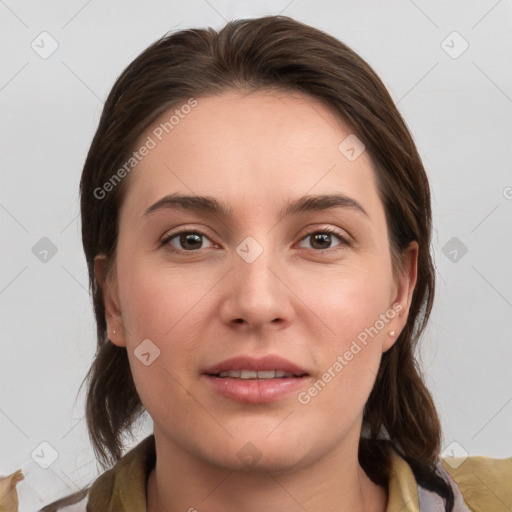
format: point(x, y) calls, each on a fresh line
point(273, 52)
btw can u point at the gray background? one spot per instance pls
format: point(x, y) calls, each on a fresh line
point(457, 103)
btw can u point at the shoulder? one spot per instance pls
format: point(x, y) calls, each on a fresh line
point(485, 483)
point(122, 484)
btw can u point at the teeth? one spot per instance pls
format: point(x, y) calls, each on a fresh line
point(251, 374)
point(268, 374)
point(248, 374)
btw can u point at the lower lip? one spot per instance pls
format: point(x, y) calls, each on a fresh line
point(255, 391)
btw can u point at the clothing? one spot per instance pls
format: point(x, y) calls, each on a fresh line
point(480, 484)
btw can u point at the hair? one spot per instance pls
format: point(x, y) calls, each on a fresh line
point(277, 53)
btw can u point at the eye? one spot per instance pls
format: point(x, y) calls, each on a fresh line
point(322, 239)
point(189, 241)
point(192, 241)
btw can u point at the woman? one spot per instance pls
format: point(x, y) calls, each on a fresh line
point(256, 221)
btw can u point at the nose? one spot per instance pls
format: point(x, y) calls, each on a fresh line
point(257, 293)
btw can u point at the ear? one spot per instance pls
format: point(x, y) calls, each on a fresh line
point(108, 285)
point(402, 294)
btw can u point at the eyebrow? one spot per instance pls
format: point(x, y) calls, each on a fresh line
point(213, 206)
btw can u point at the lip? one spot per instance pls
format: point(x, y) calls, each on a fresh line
point(270, 362)
point(255, 391)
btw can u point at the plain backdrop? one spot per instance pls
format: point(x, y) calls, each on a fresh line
point(445, 63)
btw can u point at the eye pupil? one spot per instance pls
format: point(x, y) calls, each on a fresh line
point(187, 238)
point(321, 237)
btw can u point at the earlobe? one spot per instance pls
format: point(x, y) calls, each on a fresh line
point(389, 340)
point(108, 286)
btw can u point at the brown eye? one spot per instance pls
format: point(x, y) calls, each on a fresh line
point(186, 241)
point(322, 240)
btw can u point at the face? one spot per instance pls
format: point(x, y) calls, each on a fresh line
point(254, 332)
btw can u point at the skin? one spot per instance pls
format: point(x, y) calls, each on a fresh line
point(254, 152)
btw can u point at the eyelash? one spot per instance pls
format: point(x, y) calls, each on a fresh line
point(328, 230)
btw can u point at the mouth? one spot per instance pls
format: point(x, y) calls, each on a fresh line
point(255, 380)
point(261, 374)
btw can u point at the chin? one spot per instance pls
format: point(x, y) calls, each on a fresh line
point(248, 460)
point(260, 454)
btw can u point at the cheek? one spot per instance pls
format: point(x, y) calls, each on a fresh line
point(355, 308)
point(157, 299)
point(351, 301)
point(160, 307)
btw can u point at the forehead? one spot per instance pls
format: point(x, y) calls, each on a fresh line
point(249, 149)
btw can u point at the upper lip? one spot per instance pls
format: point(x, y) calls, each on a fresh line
point(270, 362)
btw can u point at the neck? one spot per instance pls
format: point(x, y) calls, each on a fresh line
point(182, 482)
